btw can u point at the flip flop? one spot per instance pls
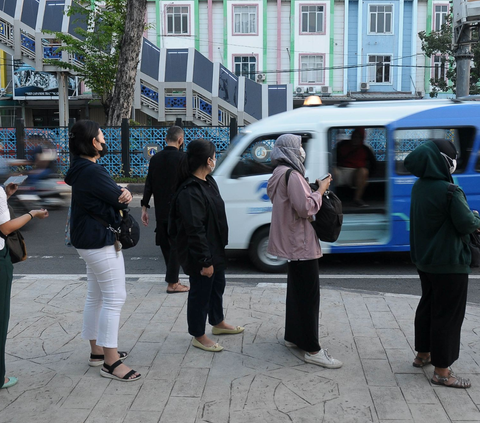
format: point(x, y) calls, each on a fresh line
point(181, 291)
point(11, 381)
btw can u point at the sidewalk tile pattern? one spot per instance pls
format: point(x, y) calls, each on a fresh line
point(255, 379)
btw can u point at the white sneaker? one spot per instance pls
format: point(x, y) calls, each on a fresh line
point(289, 344)
point(323, 359)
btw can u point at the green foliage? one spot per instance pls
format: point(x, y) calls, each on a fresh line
point(99, 50)
point(131, 180)
point(441, 42)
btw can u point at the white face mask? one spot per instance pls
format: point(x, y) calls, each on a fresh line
point(451, 163)
point(212, 168)
point(302, 155)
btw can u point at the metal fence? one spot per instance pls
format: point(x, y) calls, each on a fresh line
point(114, 161)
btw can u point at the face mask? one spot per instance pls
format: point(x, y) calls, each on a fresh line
point(104, 150)
point(451, 163)
point(212, 168)
point(302, 155)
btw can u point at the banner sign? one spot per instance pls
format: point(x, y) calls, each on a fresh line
point(28, 84)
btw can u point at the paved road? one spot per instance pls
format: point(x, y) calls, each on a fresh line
point(379, 272)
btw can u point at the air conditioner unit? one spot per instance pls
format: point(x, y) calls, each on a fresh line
point(299, 90)
point(261, 77)
point(326, 90)
point(364, 86)
point(310, 90)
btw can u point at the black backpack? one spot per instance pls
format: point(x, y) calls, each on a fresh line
point(328, 221)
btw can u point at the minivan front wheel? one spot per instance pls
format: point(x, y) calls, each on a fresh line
point(259, 256)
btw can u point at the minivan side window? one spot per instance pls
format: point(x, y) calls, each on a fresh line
point(406, 140)
point(255, 159)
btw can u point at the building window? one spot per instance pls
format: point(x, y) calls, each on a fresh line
point(381, 19)
point(379, 69)
point(313, 18)
point(245, 19)
point(441, 13)
point(245, 66)
point(312, 69)
point(440, 66)
point(178, 18)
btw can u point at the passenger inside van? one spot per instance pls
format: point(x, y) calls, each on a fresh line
point(355, 162)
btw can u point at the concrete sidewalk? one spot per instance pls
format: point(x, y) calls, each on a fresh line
point(256, 378)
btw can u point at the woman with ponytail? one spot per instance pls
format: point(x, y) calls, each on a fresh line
point(198, 226)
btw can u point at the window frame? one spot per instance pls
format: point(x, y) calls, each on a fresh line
point(434, 14)
point(390, 82)
point(434, 68)
point(303, 55)
point(189, 19)
point(324, 20)
point(234, 56)
point(244, 34)
point(370, 13)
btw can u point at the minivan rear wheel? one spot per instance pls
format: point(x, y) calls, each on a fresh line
point(259, 256)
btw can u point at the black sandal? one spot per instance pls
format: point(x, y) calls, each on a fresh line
point(108, 372)
point(421, 362)
point(100, 357)
point(459, 382)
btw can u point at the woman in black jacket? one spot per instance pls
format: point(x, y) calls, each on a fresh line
point(96, 195)
point(198, 226)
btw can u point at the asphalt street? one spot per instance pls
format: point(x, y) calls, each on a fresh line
point(379, 272)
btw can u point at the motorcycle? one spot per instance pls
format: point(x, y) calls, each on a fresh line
point(50, 192)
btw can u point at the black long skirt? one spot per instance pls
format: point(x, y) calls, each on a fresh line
point(303, 305)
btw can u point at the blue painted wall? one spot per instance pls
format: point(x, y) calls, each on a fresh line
point(352, 83)
point(408, 60)
point(381, 44)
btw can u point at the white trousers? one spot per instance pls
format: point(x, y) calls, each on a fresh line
point(106, 295)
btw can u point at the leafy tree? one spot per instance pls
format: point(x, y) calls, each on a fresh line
point(104, 52)
point(441, 43)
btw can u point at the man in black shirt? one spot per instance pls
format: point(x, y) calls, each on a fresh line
point(162, 181)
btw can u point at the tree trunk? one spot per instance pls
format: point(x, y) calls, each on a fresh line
point(122, 100)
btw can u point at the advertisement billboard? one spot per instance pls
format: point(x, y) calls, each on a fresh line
point(29, 84)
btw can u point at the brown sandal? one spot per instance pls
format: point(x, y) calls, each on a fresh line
point(421, 362)
point(459, 382)
point(178, 288)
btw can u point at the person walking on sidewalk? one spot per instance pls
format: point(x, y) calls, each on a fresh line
point(198, 226)
point(7, 226)
point(292, 237)
point(162, 182)
point(95, 194)
point(439, 231)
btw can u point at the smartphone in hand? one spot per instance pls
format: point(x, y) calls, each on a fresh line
point(16, 180)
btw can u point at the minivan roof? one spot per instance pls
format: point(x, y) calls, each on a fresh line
point(353, 114)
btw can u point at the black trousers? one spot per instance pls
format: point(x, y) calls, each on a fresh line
point(439, 316)
point(303, 305)
point(169, 253)
point(205, 298)
point(6, 276)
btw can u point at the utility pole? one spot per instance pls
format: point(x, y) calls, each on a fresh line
point(463, 58)
point(63, 109)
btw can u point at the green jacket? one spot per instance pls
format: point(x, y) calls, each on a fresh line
point(438, 231)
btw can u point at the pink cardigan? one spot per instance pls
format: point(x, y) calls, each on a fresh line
point(291, 234)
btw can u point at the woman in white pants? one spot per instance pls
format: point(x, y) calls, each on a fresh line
point(96, 196)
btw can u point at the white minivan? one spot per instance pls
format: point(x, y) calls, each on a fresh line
point(243, 170)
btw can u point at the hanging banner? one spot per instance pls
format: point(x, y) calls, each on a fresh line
point(28, 84)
